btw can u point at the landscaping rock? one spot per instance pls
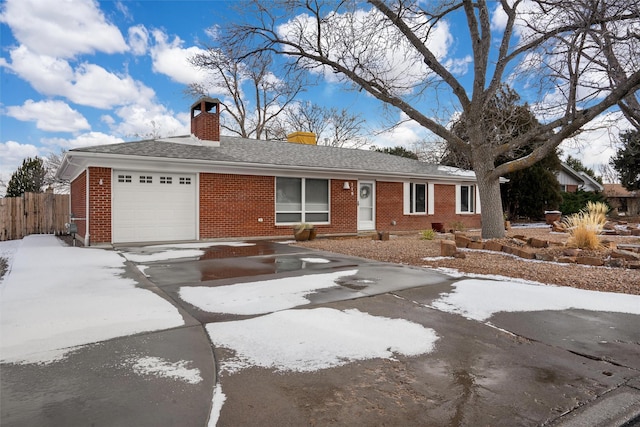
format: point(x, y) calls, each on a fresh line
point(567, 259)
point(460, 255)
point(626, 255)
point(475, 245)
point(558, 227)
point(545, 257)
point(609, 225)
point(571, 252)
point(615, 262)
point(462, 241)
point(635, 232)
point(492, 245)
point(508, 249)
point(538, 243)
point(522, 253)
point(628, 247)
point(635, 265)
point(448, 248)
point(590, 260)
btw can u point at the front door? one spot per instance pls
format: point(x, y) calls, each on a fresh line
point(366, 206)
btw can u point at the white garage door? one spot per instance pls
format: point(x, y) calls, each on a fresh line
point(150, 206)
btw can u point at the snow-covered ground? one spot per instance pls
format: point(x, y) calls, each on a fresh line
point(55, 298)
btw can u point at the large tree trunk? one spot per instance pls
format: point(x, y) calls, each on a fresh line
point(490, 197)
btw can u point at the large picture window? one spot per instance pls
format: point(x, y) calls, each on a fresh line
point(302, 200)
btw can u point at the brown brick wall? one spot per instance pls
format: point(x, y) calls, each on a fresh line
point(79, 203)
point(100, 205)
point(230, 206)
point(445, 208)
point(389, 208)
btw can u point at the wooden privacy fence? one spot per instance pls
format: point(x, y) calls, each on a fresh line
point(33, 213)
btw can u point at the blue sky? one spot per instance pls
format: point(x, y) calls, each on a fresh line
point(80, 72)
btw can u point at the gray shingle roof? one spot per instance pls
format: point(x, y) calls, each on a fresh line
point(277, 153)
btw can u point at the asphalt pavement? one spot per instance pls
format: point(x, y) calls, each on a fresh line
point(556, 367)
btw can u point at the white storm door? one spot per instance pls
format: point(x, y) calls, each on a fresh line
point(153, 207)
point(366, 206)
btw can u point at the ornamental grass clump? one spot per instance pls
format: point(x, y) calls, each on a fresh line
point(585, 226)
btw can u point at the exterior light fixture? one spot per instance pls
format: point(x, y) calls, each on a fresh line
point(346, 186)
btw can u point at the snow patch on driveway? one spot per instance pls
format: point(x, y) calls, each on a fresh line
point(159, 367)
point(260, 297)
point(321, 338)
point(56, 298)
point(480, 299)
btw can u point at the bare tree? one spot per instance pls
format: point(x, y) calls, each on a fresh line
point(252, 111)
point(552, 48)
point(608, 174)
point(52, 162)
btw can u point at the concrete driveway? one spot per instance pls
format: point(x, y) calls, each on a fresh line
point(312, 338)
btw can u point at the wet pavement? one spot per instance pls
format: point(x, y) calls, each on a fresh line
point(526, 368)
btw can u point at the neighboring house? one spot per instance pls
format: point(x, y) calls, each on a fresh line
point(571, 180)
point(622, 201)
point(207, 186)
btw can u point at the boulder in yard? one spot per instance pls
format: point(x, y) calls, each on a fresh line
point(460, 255)
point(538, 243)
point(609, 225)
point(462, 241)
point(492, 245)
point(571, 252)
point(558, 227)
point(475, 245)
point(635, 232)
point(522, 253)
point(567, 259)
point(626, 255)
point(545, 257)
point(635, 265)
point(590, 260)
point(448, 248)
point(615, 262)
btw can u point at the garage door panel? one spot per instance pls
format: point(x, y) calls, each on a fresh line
point(154, 207)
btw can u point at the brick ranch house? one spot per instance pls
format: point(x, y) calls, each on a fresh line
point(211, 186)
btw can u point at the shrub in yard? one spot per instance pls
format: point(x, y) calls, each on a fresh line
point(585, 226)
point(429, 234)
point(458, 226)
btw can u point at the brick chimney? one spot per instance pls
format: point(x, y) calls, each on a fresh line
point(205, 119)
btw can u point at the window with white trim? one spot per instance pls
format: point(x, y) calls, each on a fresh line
point(467, 198)
point(417, 198)
point(302, 200)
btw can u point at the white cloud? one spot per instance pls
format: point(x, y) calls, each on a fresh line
point(172, 59)
point(138, 39)
point(151, 120)
point(52, 116)
point(88, 84)
point(85, 140)
point(405, 133)
point(62, 29)
point(596, 144)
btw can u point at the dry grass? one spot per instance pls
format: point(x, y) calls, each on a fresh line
point(585, 226)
